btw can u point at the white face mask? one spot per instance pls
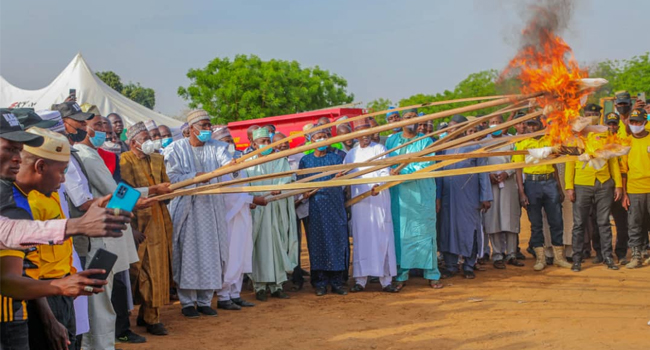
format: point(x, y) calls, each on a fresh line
point(148, 147)
point(157, 143)
point(231, 149)
point(637, 129)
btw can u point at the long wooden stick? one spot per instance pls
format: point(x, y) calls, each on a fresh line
point(466, 125)
point(448, 145)
point(256, 161)
point(389, 179)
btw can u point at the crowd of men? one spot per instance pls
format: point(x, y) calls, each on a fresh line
point(60, 167)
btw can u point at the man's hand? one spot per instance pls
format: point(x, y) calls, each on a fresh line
point(639, 104)
point(144, 203)
point(275, 193)
point(99, 222)
point(618, 194)
point(373, 190)
point(561, 194)
point(394, 172)
point(572, 195)
point(626, 202)
point(73, 285)
point(259, 200)
point(503, 176)
point(162, 188)
point(56, 334)
point(485, 206)
point(494, 179)
point(523, 199)
point(438, 205)
point(138, 236)
point(338, 175)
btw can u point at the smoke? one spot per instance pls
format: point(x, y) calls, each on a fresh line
point(544, 18)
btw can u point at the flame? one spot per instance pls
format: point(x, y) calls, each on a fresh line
point(549, 66)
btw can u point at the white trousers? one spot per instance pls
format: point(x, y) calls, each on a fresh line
point(231, 291)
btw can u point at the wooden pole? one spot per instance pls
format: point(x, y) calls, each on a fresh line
point(388, 179)
point(235, 166)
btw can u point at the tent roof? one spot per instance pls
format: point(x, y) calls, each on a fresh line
point(90, 89)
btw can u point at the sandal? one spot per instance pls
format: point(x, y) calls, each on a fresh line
point(435, 284)
point(469, 275)
point(515, 262)
point(400, 286)
point(499, 264)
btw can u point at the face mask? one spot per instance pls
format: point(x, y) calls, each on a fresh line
point(321, 148)
point(79, 136)
point(231, 149)
point(204, 135)
point(271, 136)
point(166, 141)
point(496, 133)
point(147, 147)
point(637, 129)
point(442, 136)
point(157, 143)
point(266, 150)
point(625, 110)
point(397, 129)
point(112, 147)
point(98, 139)
point(412, 128)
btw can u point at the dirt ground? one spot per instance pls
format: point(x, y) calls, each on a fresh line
point(516, 308)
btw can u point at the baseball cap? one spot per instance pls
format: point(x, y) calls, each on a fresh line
point(55, 146)
point(612, 117)
point(72, 110)
point(10, 129)
point(638, 115)
point(623, 97)
point(592, 107)
point(28, 118)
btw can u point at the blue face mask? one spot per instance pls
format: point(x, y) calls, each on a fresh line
point(204, 135)
point(322, 148)
point(397, 129)
point(271, 136)
point(166, 141)
point(266, 150)
point(98, 139)
point(442, 136)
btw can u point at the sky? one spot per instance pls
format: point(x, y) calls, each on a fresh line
point(384, 49)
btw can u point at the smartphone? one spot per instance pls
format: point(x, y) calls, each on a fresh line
point(103, 260)
point(641, 96)
point(124, 197)
point(73, 93)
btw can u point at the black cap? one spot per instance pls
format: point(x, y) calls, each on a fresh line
point(592, 107)
point(442, 125)
point(519, 114)
point(638, 115)
point(10, 129)
point(534, 121)
point(623, 97)
point(612, 117)
point(28, 118)
point(72, 110)
point(458, 118)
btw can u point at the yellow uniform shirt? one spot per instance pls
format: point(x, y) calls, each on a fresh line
point(531, 144)
point(637, 165)
point(12, 309)
point(584, 175)
point(54, 261)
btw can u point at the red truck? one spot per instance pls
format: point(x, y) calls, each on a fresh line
point(289, 124)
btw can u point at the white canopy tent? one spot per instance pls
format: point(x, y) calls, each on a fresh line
point(90, 89)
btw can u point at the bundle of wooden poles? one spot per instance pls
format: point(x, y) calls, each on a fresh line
point(346, 174)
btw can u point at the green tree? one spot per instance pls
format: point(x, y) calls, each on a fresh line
point(632, 75)
point(380, 104)
point(249, 88)
point(483, 83)
point(135, 92)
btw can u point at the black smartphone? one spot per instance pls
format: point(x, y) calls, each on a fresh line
point(104, 260)
point(73, 93)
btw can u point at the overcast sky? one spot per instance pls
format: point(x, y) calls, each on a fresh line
point(391, 49)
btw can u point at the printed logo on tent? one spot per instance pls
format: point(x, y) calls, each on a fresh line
point(11, 119)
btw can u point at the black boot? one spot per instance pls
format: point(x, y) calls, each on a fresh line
point(610, 263)
point(577, 264)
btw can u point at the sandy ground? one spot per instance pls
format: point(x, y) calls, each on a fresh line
point(516, 308)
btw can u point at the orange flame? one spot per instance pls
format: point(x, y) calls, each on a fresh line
point(549, 66)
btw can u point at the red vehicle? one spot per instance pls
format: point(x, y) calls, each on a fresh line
point(289, 124)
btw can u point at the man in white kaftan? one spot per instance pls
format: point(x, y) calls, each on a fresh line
point(372, 223)
point(200, 238)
